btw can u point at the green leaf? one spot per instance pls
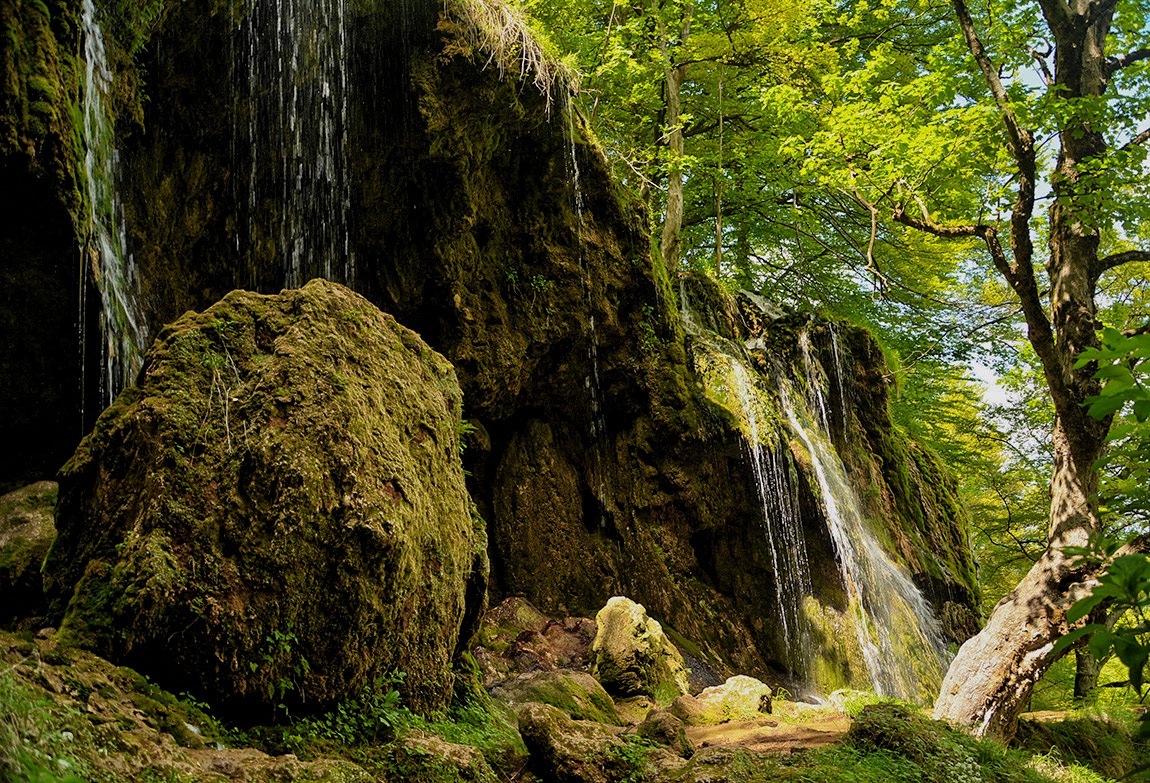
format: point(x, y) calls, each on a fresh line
point(1086, 605)
point(1069, 639)
point(1101, 642)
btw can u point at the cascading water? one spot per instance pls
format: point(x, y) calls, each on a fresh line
point(110, 265)
point(290, 82)
point(902, 653)
point(778, 495)
point(896, 628)
point(777, 491)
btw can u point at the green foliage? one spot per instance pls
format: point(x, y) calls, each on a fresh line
point(1123, 588)
point(373, 716)
point(1125, 395)
point(630, 760)
point(1102, 742)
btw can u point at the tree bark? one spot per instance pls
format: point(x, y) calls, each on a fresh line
point(1087, 668)
point(990, 681)
point(992, 677)
point(671, 246)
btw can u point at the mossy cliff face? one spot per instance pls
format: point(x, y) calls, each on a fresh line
point(277, 512)
point(485, 218)
point(40, 228)
point(26, 533)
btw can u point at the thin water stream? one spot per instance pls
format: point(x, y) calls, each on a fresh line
point(290, 83)
point(110, 266)
point(600, 449)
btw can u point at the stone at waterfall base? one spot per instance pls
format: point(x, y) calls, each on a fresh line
point(632, 656)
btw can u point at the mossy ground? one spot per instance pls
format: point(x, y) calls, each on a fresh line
point(67, 715)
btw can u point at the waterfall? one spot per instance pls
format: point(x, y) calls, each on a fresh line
point(110, 266)
point(900, 649)
point(895, 625)
point(776, 488)
point(290, 82)
point(778, 496)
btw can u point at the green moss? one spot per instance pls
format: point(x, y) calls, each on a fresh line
point(242, 497)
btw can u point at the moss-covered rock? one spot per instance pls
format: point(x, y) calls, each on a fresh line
point(26, 533)
point(570, 751)
point(276, 513)
point(739, 698)
point(664, 728)
point(632, 656)
point(577, 693)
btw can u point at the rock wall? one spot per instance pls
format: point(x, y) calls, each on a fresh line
point(40, 238)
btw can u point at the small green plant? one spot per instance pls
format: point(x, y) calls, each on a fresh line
point(371, 717)
point(631, 761)
point(464, 430)
point(649, 338)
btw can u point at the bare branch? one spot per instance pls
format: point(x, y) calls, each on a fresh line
point(1020, 274)
point(988, 70)
point(1118, 259)
point(1114, 64)
point(1136, 141)
point(1040, 58)
point(946, 232)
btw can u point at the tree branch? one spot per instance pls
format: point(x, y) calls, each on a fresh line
point(1020, 273)
point(1114, 64)
point(1118, 259)
point(1137, 140)
point(1040, 58)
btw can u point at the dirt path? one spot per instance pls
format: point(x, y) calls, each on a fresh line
point(772, 735)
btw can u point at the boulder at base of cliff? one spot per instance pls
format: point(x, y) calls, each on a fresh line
point(739, 698)
point(26, 533)
point(577, 694)
point(632, 656)
point(276, 513)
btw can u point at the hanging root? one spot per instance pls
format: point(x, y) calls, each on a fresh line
point(503, 32)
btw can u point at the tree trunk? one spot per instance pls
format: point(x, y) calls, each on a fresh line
point(992, 677)
point(671, 246)
point(994, 673)
point(1087, 668)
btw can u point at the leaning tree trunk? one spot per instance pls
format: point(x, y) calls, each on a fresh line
point(994, 673)
point(991, 679)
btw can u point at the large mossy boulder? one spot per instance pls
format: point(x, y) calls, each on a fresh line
point(631, 656)
point(276, 513)
point(576, 693)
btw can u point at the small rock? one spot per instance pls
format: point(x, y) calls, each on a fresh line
point(663, 728)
